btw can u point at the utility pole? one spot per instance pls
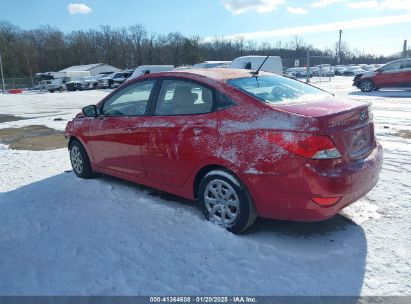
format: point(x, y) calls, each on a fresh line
point(2, 76)
point(404, 50)
point(31, 75)
point(339, 48)
point(308, 66)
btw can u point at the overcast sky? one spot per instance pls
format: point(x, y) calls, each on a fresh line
point(377, 26)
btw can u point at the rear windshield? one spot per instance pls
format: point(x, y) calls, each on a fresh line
point(277, 89)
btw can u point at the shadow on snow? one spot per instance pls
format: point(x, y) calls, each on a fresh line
point(64, 235)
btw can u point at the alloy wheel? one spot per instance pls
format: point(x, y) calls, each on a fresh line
point(76, 159)
point(221, 202)
point(366, 85)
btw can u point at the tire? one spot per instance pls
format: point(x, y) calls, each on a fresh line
point(222, 194)
point(80, 161)
point(366, 85)
point(51, 91)
point(61, 89)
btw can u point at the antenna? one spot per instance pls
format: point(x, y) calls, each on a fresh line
point(258, 70)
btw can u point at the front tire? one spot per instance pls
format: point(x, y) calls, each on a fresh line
point(366, 85)
point(226, 201)
point(80, 161)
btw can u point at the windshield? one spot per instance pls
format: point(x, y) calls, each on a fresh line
point(277, 89)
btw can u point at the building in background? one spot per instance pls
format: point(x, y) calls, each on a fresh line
point(94, 69)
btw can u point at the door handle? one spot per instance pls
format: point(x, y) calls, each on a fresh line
point(197, 130)
point(132, 128)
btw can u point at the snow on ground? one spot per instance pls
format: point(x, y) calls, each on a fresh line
point(60, 235)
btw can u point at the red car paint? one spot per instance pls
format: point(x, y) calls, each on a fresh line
point(257, 142)
point(396, 74)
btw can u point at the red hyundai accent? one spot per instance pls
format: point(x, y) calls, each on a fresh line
point(242, 144)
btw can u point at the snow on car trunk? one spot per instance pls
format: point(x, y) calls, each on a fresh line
point(348, 123)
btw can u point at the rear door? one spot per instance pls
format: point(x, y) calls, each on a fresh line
point(181, 132)
point(115, 136)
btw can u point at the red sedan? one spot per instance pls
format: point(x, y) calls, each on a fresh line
point(242, 144)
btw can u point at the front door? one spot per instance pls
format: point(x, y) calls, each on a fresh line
point(115, 136)
point(389, 75)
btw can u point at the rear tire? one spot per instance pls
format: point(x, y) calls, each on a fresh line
point(366, 85)
point(80, 161)
point(226, 201)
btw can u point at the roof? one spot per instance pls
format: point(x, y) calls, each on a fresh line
point(86, 67)
point(220, 74)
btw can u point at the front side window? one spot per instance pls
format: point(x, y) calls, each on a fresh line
point(392, 67)
point(179, 97)
point(277, 89)
point(130, 101)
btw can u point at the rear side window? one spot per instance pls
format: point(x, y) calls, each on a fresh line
point(407, 64)
point(179, 97)
point(277, 89)
point(222, 101)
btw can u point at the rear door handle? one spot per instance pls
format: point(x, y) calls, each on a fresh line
point(197, 130)
point(132, 128)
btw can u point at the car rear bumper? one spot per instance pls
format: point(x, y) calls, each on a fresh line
point(290, 197)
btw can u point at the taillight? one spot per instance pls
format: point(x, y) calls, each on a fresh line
point(326, 201)
point(311, 146)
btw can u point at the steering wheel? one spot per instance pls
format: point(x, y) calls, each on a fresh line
point(141, 108)
point(113, 112)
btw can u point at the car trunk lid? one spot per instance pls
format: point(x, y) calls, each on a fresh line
point(348, 123)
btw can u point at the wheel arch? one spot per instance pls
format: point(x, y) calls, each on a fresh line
point(71, 139)
point(208, 168)
point(75, 138)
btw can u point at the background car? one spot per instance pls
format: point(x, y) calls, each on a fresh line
point(91, 83)
point(74, 85)
point(56, 85)
point(396, 74)
point(120, 78)
point(113, 80)
point(243, 144)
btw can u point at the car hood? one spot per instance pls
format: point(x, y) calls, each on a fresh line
point(368, 74)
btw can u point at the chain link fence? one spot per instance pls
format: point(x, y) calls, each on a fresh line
point(18, 83)
point(310, 68)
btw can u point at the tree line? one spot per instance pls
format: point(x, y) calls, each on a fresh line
point(26, 52)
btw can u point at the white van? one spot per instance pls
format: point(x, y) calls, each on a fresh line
point(273, 63)
point(211, 64)
point(150, 69)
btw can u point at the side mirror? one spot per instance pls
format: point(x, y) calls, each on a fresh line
point(90, 111)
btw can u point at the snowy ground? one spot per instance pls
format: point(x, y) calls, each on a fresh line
point(60, 235)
